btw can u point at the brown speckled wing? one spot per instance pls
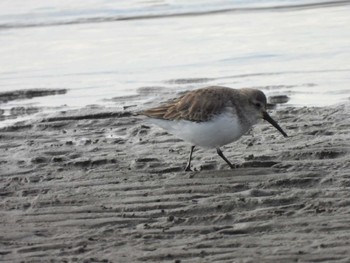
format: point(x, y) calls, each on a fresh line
point(198, 105)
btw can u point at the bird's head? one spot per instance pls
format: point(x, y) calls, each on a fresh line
point(257, 107)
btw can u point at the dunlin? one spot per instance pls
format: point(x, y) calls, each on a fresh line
point(212, 117)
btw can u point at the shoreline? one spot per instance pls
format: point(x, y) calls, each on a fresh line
point(101, 185)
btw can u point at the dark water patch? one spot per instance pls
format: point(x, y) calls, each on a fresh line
point(59, 159)
point(147, 159)
point(319, 154)
point(39, 159)
point(53, 125)
point(81, 162)
point(189, 80)
point(251, 157)
point(124, 98)
point(99, 115)
point(88, 162)
point(259, 164)
point(28, 94)
point(278, 99)
point(208, 166)
point(329, 154)
point(17, 127)
point(17, 112)
point(168, 170)
point(320, 132)
point(151, 90)
point(20, 111)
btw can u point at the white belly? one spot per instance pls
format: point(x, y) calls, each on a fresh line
point(219, 131)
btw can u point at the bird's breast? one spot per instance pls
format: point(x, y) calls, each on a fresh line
point(220, 130)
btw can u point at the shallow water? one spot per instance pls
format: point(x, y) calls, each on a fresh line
point(99, 50)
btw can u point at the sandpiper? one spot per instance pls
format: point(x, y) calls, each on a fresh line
point(212, 117)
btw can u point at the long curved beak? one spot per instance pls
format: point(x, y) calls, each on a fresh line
point(268, 118)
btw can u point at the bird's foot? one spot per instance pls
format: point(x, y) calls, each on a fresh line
point(234, 166)
point(188, 169)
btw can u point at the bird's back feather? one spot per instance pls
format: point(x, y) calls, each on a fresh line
point(198, 105)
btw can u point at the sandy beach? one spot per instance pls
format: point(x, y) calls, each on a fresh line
point(102, 185)
point(83, 178)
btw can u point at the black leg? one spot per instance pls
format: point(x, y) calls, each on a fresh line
point(223, 157)
point(188, 166)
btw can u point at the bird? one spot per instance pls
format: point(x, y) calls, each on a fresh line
point(212, 117)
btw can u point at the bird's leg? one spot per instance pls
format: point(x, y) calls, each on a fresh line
point(188, 166)
point(225, 159)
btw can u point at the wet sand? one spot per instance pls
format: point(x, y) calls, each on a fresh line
point(102, 185)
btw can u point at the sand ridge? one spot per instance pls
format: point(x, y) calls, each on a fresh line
point(97, 185)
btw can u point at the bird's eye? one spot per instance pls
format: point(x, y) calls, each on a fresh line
point(257, 104)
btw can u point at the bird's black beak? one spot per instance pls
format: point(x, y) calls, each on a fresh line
point(268, 118)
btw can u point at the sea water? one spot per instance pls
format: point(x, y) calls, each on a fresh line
point(99, 49)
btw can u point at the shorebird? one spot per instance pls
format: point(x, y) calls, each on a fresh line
point(212, 117)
